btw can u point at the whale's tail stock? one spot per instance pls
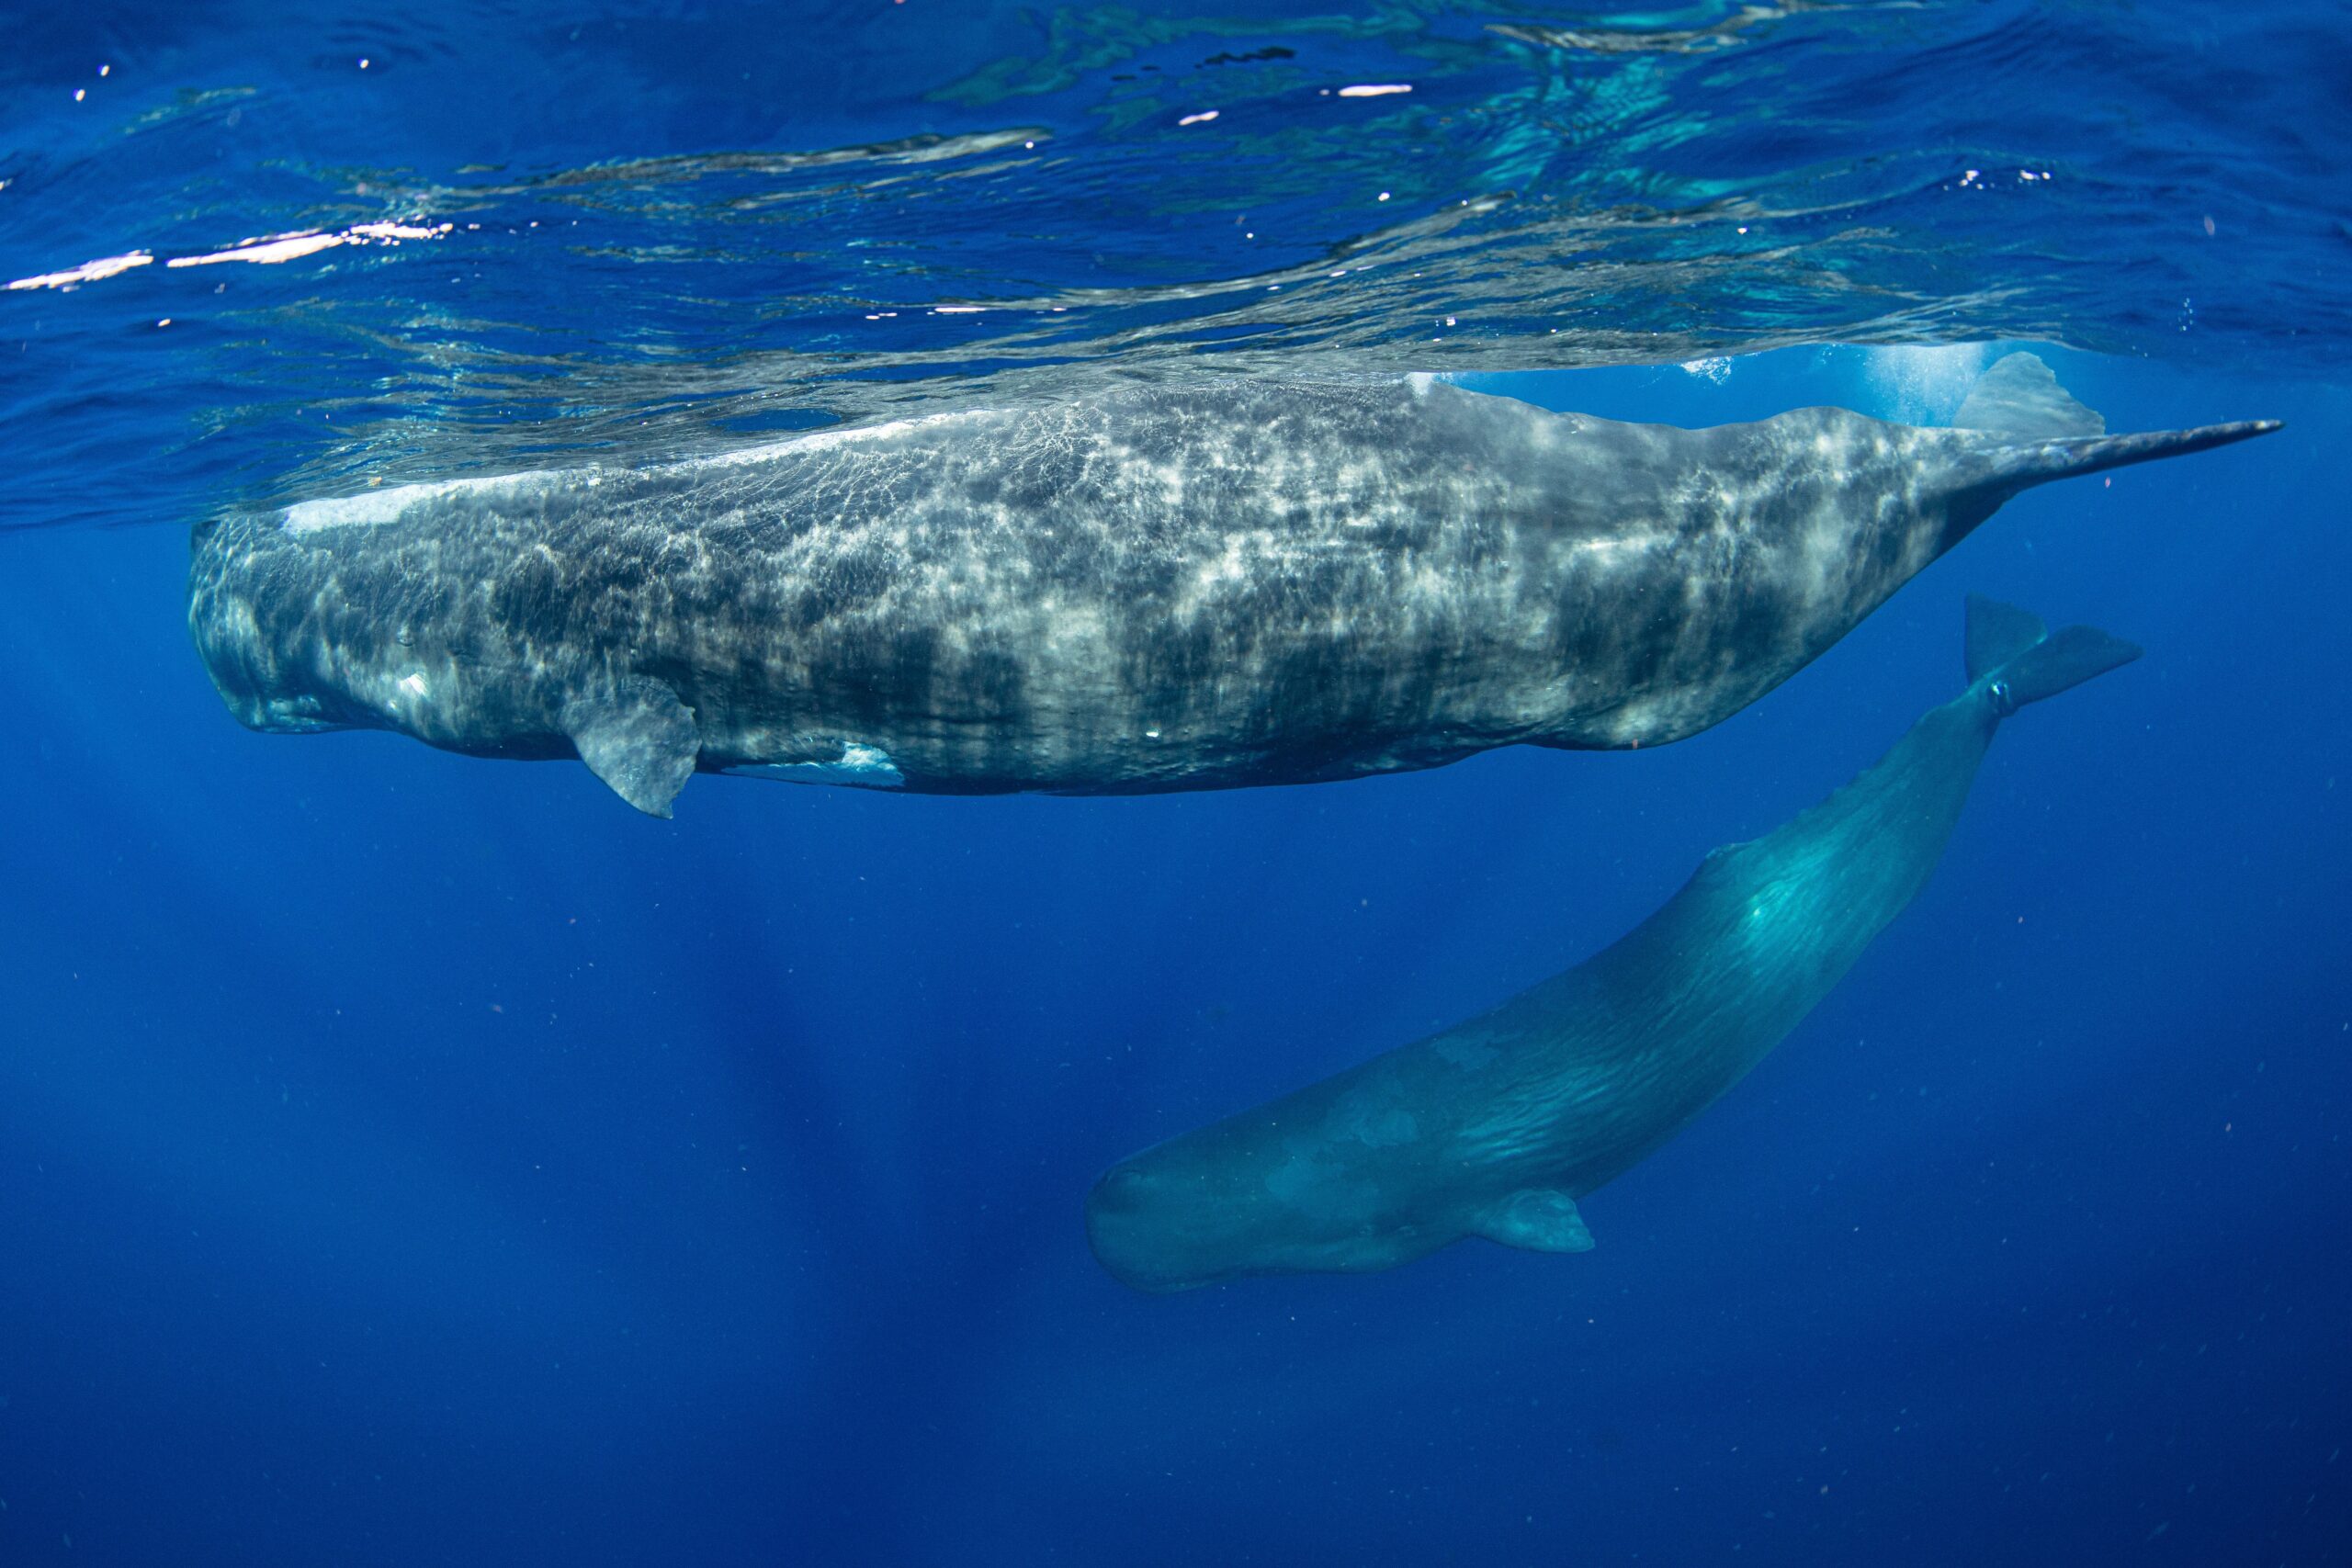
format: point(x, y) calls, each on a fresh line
point(2018, 660)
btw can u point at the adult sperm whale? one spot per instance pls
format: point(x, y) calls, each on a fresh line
point(1160, 588)
point(1495, 1127)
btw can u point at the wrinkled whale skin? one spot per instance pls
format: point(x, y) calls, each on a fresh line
point(1159, 588)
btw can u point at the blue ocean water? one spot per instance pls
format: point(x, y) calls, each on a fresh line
point(407, 1158)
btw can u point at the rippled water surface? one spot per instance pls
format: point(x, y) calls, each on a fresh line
point(459, 234)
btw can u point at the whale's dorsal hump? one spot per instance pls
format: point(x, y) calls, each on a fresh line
point(1540, 1219)
point(639, 738)
point(2020, 397)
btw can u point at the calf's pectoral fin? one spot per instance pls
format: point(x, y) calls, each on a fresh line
point(1540, 1219)
point(636, 737)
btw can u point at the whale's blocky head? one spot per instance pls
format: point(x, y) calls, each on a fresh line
point(1251, 1196)
point(1159, 1232)
point(367, 613)
point(266, 684)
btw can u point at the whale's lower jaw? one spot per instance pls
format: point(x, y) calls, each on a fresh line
point(1157, 1233)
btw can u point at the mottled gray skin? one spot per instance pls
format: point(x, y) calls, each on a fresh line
point(1157, 588)
point(1494, 1128)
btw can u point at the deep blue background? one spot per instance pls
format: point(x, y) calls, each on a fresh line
point(413, 1159)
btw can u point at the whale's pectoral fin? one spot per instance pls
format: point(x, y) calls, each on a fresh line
point(636, 737)
point(1540, 1219)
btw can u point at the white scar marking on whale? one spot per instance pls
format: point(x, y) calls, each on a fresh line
point(825, 440)
point(378, 506)
point(867, 765)
point(1611, 551)
point(384, 505)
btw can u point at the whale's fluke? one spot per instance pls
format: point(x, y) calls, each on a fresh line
point(2070, 458)
point(2020, 396)
point(2006, 460)
point(2026, 661)
point(1997, 632)
point(2044, 432)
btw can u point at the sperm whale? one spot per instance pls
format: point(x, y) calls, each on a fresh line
point(1496, 1127)
point(1163, 587)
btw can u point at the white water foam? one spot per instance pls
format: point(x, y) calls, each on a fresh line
point(1924, 383)
point(869, 766)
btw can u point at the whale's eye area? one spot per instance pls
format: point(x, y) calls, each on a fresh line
point(1123, 1188)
